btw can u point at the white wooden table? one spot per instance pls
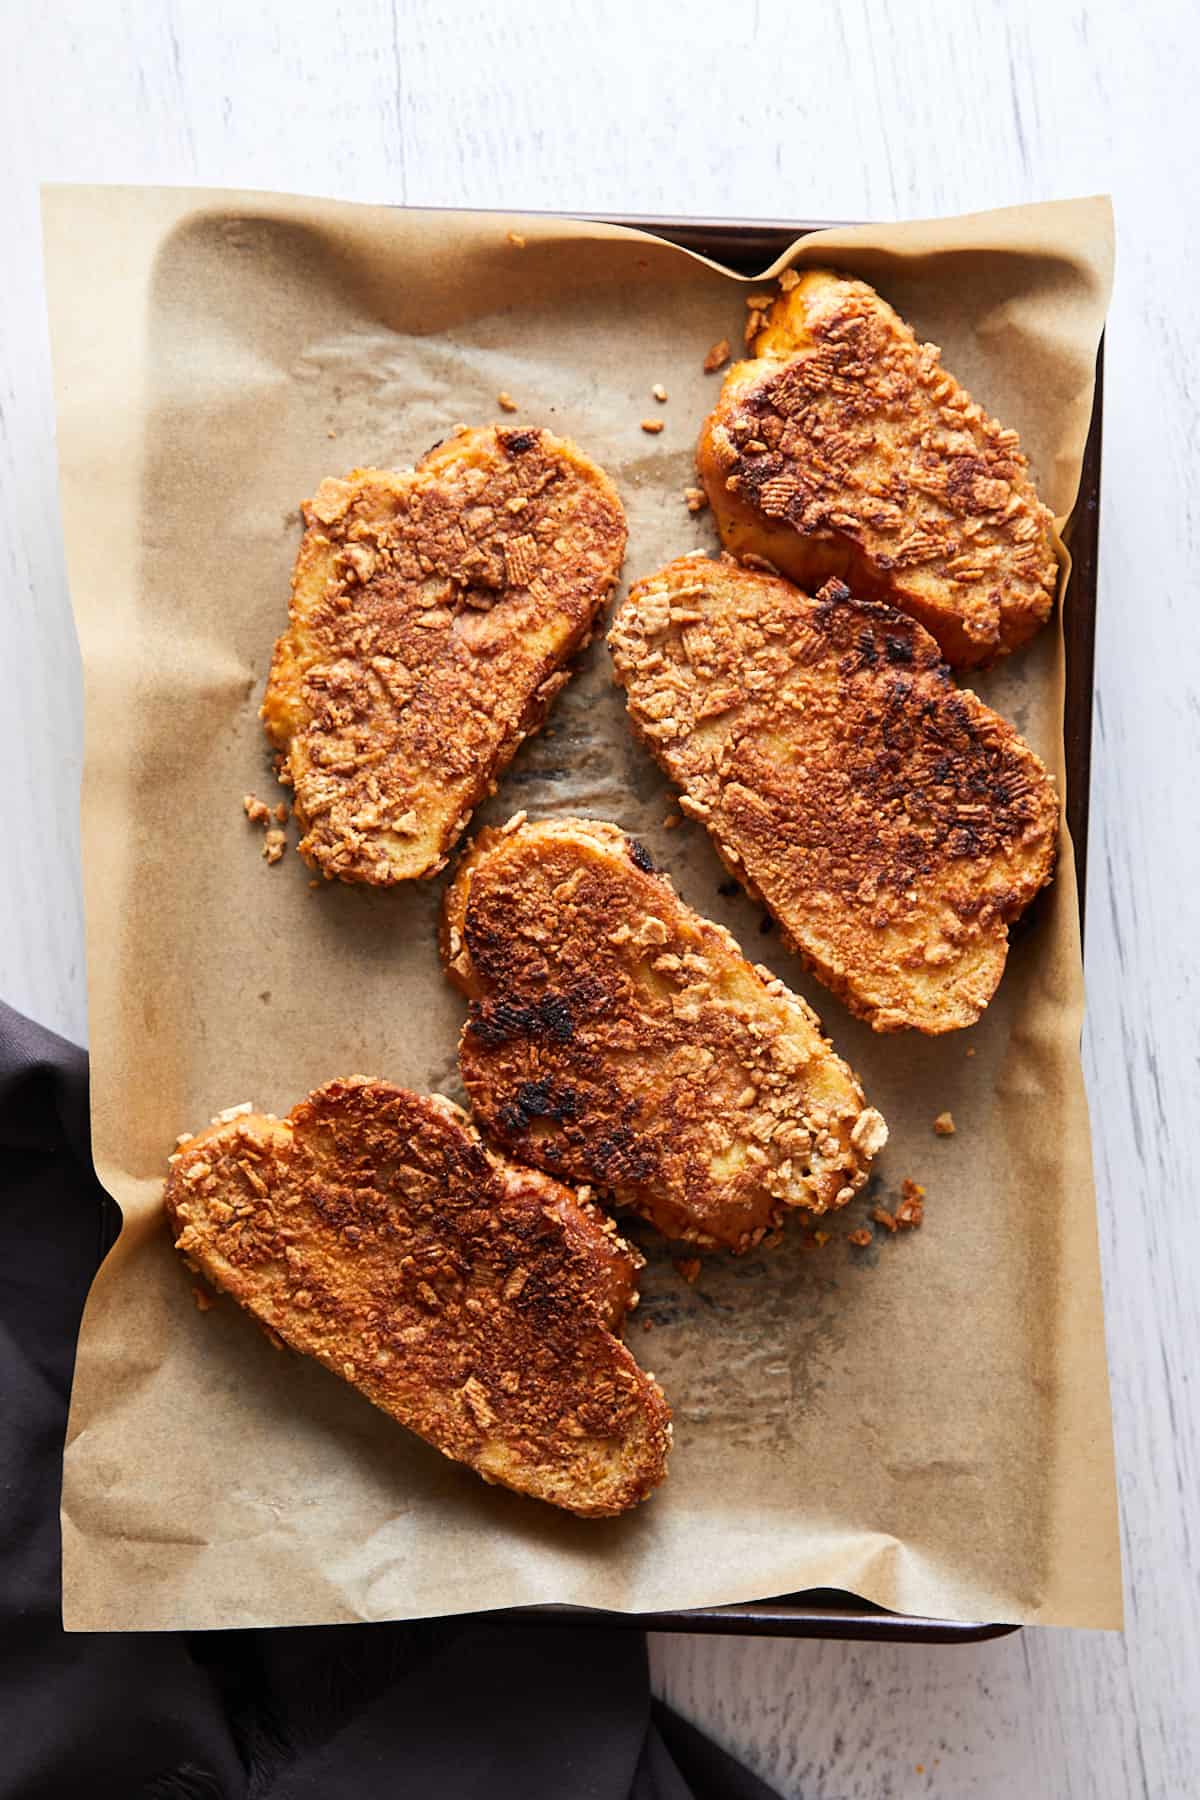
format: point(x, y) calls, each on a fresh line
point(822, 111)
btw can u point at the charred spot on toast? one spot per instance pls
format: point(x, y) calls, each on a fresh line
point(544, 1099)
point(547, 1019)
point(518, 442)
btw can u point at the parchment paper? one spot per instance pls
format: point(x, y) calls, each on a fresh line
point(925, 1422)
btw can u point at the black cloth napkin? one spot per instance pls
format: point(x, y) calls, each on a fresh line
point(456, 1709)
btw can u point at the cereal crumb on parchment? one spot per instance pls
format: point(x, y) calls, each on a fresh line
point(696, 499)
point(274, 845)
point(673, 821)
point(883, 1217)
point(689, 1267)
point(788, 280)
point(505, 401)
point(717, 357)
point(255, 809)
point(862, 1237)
point(516, 240)
point(204, 1300)
point(652, 425)
point(660, 393)
point(911, 1210)
point(943, 1125)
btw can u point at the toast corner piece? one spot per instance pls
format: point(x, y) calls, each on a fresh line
point(616, 1037)
point(842, 448)
point(505, 1289)
point(433, 612)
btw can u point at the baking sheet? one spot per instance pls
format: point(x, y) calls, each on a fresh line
point(924, 1422)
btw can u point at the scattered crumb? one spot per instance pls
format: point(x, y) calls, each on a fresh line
point(821, 1238)
point(883, 1217)
point(862, 1237)
point(274, 845)
point(911, 1210)
point(331, 433)
point(689, 1267)
point(717, 357)
point(788, 280)
point(757, 305)
point(944, 1124)
point(659, 392)
point(516, 240)
point(204, 1301)
point(652, 425)
point(314, 884)
point(970, 1049)
point(647, 1323)
point(255, 810)
point(673, 821)
point(505, 401)
point(696, 499)
point(282, 815)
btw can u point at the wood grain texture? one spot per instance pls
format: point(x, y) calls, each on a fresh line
point(872, 109)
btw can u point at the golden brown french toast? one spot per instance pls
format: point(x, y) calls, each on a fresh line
point(616, 1037)
point(474, 1301)
point(432, 612)
point(892, 823)
point(844, 449)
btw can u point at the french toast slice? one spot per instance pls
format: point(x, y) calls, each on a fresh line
point(616, 1037)
point(843, 449)
point(474, 1301)
point(431, 615)
point(891, 822)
